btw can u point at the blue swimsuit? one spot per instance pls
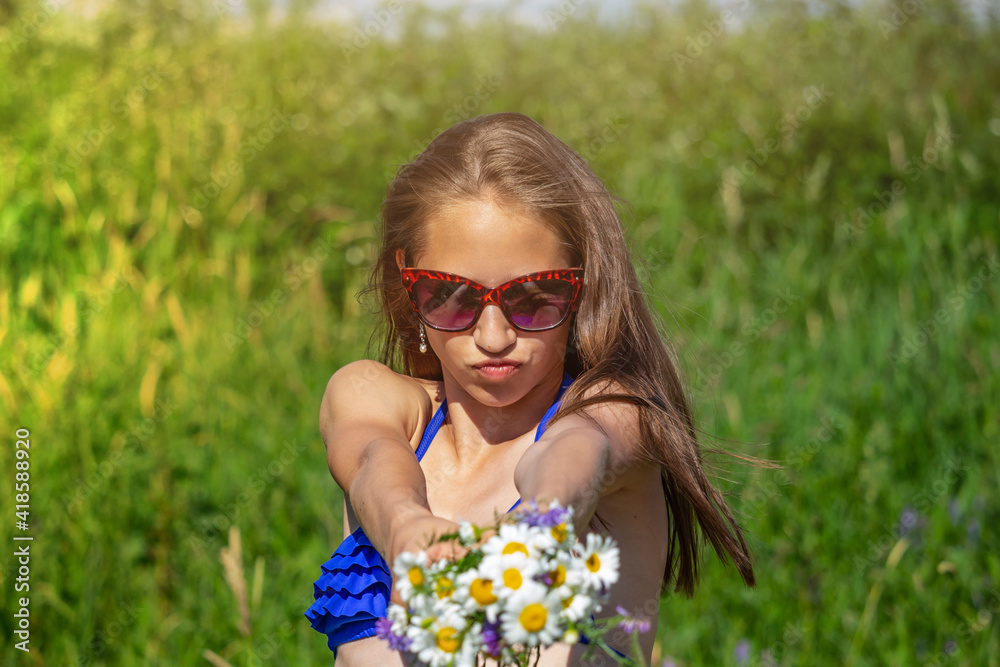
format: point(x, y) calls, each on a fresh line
point(354, 589)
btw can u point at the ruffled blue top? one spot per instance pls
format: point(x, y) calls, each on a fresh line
point(354, 588)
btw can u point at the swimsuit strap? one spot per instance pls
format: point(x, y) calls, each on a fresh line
point(442, 412)
point(432, 428)
point(567, 380)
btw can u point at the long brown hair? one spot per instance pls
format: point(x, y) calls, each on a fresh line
point(510, 159)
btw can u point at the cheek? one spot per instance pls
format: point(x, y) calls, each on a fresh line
point(450, 345)
point(555, 344)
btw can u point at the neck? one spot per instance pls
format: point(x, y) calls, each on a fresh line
point(479, 422)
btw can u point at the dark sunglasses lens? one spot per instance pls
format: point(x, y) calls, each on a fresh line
point(445, 304)
point(539, 304)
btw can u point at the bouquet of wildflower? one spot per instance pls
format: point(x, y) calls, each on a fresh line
point(530, 585)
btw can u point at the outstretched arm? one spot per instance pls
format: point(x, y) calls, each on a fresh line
point(365, 419)
point(580, 458)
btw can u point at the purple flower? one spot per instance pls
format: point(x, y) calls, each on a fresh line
point(383, 630)
point(954, 511)
point(908, 520)
point(528, 513)
point(491, 638)
point(972, 530)
point(632, 623)
point(544, 578)
point(553, 517)
point(531, 516)
point(742, 651)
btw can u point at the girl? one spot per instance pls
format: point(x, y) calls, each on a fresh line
point(532, 368)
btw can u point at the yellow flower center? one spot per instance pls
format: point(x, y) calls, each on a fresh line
point(558, 575)
point(559, 532)
point(415, 576)
point(447, 640)
point(594, 563)
point(481, 591)
point(445, 587)
point(514, 547)
point(567, 602)
point(533, 617)
point(512, 579)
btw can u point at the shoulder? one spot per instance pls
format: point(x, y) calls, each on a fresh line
point(616, 423)
point(367, 377)
point(617, 419)
point(366, 390)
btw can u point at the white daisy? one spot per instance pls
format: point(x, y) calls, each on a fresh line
point(531, 616)
point(474, 592)
point(512, 538)
point(445, 639)
point(552, 538)
point(508, 572)
point(466, 533)
point(443, 585)
point(411, 572)
point(400, 619)
point(555, 527)
point(562, 570)
point(600, 562)
point(578, 606)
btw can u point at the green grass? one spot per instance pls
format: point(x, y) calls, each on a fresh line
point(167, 342)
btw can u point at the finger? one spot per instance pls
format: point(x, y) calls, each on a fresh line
point(458, 551)
point(433, 555)
point(446, 551)
point(437, 552)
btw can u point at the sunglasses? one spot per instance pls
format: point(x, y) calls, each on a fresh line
point(532, 302)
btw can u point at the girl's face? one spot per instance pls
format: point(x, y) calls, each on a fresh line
point(478, 240)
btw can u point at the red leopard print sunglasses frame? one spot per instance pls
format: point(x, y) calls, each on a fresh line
point(533, 302)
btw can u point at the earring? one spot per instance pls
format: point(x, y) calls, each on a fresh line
point(423, 339)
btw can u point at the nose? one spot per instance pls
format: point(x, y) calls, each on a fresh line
point(493, 332)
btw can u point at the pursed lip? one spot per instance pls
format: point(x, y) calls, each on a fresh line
point(497, 362)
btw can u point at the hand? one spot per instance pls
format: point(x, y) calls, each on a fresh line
point(415, 535)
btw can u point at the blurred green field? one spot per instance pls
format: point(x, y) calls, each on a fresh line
point(187, 197)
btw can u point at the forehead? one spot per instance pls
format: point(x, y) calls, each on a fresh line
point(490, 244)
